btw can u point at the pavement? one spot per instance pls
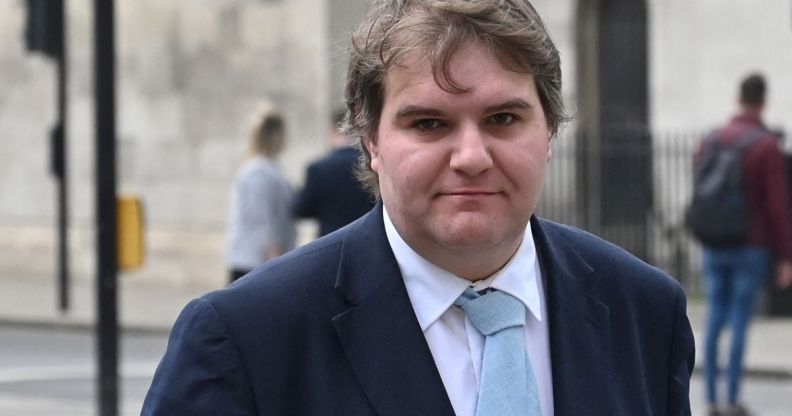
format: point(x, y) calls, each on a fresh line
point(142, 306)
point(152, 307)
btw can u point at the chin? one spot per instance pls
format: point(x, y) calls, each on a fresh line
point(470, 238)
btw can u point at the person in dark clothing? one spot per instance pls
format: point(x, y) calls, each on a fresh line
point(734, 275)
point(332, 194)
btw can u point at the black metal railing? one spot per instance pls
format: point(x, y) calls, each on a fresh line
point(655, 200)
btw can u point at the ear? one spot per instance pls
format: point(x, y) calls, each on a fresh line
point(549, 147)
point(373, 150)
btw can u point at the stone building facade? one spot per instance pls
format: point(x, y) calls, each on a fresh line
point(190, 72)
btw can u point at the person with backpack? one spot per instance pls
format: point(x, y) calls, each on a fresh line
point(744, 230)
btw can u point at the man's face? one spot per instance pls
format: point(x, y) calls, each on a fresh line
point(460, 173)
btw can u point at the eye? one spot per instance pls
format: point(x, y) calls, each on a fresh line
point(502, 119)
point(427, 124)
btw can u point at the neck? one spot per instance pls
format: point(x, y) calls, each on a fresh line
point(472, 264)
point(753, 111)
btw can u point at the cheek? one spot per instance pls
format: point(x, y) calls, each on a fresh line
point(525, 166)
point(539, 154)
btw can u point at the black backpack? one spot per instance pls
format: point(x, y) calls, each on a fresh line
point(718, 213)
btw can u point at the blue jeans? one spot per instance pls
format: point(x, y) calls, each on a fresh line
point(733, 277)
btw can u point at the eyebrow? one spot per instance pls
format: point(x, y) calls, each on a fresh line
point(515, 104)
point(416, 110)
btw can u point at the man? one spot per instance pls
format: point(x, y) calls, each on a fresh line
point(454, 104)
point(332, 193)
point(735, 274)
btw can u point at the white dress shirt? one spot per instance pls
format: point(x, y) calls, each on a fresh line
point(457, 347)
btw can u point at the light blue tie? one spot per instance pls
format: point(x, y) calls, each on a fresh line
point(507, 386)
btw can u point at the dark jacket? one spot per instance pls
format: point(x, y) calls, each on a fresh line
point(332, 194)
point(328, 329)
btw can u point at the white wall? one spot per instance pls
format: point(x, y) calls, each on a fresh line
point(700, 50)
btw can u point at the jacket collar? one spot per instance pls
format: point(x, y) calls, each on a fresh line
point(379, 331)
point(579, 325)
point(749, 119)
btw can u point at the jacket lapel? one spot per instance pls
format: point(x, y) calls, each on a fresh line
point(379, 332)
point(579, 327)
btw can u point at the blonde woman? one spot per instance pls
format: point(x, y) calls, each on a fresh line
point(260, 223)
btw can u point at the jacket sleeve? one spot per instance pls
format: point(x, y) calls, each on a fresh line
point(201, 372)
point(682, 358)
point(776, 202)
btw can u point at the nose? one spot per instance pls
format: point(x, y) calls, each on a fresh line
point(471, 154)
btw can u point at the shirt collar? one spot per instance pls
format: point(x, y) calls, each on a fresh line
point(433, 290)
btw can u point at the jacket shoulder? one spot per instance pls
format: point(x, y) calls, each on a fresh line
point(616, 268)
point(291, 287)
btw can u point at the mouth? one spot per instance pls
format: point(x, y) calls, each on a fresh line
point(470, 193)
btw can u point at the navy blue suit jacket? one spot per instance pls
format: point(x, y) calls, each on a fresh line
point(328, 329)
point(332, 194)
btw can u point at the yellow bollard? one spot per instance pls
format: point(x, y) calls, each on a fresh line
point(130, 233)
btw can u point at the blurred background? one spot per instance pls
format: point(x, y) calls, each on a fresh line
point(644, 79)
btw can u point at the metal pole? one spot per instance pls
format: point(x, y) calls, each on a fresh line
point(107, 325)
point(61, 165)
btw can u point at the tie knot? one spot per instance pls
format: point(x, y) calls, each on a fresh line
point(493, 311)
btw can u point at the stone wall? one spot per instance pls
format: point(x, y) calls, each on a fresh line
point(189, 75)
point(190, 72)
